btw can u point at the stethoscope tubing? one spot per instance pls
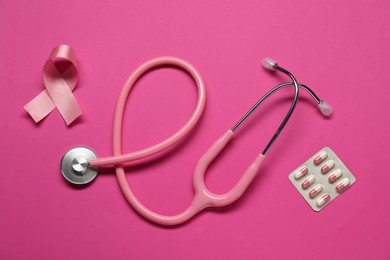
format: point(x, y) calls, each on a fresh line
point(119, 159)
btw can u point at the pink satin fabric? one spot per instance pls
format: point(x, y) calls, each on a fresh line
point(59, 77)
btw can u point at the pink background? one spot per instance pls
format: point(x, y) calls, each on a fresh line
point(339, 48)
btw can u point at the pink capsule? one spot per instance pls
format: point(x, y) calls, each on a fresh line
point(327, 167)
point(315, 191)
point(335, 175)
point(320, 157)
point(323, 200)
point(308, 182)
point(301, 172)
point(342, 185)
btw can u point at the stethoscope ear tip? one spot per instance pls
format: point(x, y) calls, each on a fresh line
point(269, 63)
point(325, 108)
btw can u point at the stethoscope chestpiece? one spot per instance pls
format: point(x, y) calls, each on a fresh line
point(75, 165)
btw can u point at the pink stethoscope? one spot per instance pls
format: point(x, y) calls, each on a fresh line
point(80, 164)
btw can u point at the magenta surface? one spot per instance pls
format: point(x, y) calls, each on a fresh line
point(339, 48)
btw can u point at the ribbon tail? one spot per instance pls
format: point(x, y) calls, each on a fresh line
point(40, 106)
point(69, 108)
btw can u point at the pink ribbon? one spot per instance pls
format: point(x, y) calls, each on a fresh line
point(59, 77)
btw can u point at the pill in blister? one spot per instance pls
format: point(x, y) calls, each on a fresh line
point(301, 172)
point(327, 166)
point(335, 175)
point(320, 157)
point(315, 191)
point(342, 185)
point(308, 182)
point(323, 200)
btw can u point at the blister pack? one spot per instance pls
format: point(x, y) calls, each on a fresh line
point(321, 178)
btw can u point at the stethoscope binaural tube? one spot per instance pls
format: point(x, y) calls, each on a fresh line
point(272, 65)
point(203, 198)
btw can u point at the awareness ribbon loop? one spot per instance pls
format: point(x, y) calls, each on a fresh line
point(59, 77)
